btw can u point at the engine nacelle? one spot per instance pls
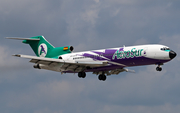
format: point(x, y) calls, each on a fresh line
point(67, 48)
point(71, 48)
point(60, 51)
point(47, 67)
point(41, 66)
point(37, 66)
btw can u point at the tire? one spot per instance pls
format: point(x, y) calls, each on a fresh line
point(80, 74)
point(83, 75)
point(102, 77)
point(158, 69)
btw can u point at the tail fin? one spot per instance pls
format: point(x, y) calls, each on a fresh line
point(40, 45)
point(42, 48)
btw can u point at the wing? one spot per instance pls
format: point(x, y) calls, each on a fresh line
point(73, 66)
point(65, 65)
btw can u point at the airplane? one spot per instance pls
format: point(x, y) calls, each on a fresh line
point(102, 62)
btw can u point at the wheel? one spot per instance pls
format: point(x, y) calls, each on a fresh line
point(81, 74)
point(159, 69)
point(102, 77)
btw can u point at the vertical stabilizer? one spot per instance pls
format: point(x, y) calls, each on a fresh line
point(40, 46)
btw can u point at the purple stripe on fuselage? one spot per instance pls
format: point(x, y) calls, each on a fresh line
point(108, 53)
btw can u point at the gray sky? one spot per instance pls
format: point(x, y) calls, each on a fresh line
point(86, 25)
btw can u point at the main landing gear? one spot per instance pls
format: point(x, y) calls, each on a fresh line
point(102, 77)
point(81, 74)
point(159, 68)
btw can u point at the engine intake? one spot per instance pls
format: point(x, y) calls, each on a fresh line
point(71, 48)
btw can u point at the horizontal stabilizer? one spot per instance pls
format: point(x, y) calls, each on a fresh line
point(16, 38)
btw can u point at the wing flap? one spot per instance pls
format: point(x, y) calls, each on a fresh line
point(117, 71)
point(114, 71)
point(34, 61)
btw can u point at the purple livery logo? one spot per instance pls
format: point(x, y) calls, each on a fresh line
point(42, 50)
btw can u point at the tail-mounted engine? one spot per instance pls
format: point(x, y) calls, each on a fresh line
point(70, 48)
point(60, 51)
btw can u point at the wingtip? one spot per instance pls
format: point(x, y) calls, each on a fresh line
point(17, 55)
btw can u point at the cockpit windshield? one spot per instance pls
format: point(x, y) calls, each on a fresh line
point(165, 49)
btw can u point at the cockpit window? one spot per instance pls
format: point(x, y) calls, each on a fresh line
point(165, 49)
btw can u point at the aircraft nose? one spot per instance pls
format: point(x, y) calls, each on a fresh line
point(172, 54)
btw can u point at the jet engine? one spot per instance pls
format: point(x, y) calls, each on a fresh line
point(37, 66)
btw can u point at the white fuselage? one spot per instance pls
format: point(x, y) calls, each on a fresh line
point(117, 58)
point(148, 51)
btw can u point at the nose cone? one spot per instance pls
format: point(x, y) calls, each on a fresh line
point(172, 54)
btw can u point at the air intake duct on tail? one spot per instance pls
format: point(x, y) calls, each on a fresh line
point(70, 48)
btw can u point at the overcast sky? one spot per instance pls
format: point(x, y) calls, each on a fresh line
point(87, 25)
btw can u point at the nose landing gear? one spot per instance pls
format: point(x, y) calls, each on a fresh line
point(159, 68)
